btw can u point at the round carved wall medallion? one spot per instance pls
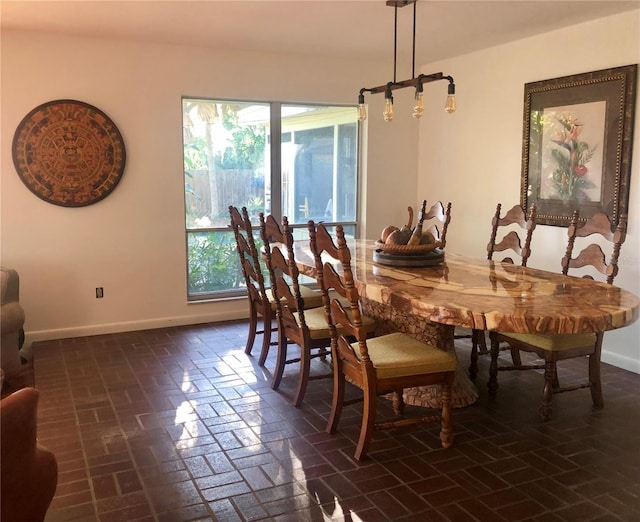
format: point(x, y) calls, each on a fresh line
point(69, 153)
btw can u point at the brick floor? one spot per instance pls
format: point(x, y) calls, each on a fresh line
point(178, 424)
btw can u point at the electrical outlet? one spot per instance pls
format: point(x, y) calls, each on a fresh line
point(99, 292)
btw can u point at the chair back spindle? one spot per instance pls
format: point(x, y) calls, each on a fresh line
point(437, 220)
point(592, 255)
point(511, 240)
point(283, 271)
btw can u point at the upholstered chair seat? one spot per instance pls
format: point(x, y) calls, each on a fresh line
point(398, 355)
point(318, 327)
point(312, 299)
point(553, 342)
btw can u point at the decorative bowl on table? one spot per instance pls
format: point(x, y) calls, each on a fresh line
point(408, 255)
point(409, 246)
point(407, 250)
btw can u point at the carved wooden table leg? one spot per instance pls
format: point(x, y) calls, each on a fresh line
point(547, 392)
point(493, 367)
point(393, 319)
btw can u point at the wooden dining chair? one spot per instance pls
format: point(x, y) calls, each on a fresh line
point(553, 348)
point(511, 239)
point(300, 320)
point(379, 365)
point(261, 299)
point(511, 243)
point(436, 221)
point(260, 305)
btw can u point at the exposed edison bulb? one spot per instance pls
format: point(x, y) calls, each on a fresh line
point(450, 106)
point(388, 109)
point(418, 108)
point(362, 112)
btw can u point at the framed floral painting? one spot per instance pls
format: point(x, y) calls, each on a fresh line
point(576, 145)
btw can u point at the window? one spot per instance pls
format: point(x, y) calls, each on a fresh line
point(298, 161)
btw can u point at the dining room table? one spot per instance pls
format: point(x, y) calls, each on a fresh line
point(429, 302)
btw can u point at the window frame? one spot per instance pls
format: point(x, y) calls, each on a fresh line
point(276, 193)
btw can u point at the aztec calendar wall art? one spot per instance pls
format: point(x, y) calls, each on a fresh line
point(69, 153)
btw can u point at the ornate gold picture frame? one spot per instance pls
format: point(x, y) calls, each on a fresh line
point(576, 144)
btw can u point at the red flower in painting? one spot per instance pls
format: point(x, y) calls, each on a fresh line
point(580, 170)
point(571, 156)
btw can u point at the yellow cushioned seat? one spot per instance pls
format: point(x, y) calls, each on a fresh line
point(398, 355)
point(317, 323)
point(554, 342)
point(312, 299)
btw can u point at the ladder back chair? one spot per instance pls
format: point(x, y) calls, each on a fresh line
point(437, 220)
point(300, 319)
point(379, 365)
point(511, 240)
point(260, 303)
point(553, 348)
point(510, 243)
point(261, 299)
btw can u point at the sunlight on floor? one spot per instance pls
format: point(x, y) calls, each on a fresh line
point(186, 416)
point(339, 514)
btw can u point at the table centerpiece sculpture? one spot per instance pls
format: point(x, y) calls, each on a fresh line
point(407, 246)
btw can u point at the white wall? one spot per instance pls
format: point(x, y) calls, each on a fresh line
point(476, 161)
point(133, 243)
point(392, 162)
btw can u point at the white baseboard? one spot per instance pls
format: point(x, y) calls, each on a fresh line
point(100, 329)
point(615, 359)
point(621, 361)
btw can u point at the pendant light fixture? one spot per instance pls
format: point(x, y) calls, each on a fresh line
point(415, 82)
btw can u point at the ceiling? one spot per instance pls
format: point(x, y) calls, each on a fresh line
point(361, 29)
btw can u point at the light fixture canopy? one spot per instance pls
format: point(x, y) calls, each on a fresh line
point(416, 82)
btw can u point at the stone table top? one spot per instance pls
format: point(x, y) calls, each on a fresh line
point(489, 295)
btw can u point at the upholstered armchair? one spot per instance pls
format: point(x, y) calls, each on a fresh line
point(28, 472)
point(11, 322)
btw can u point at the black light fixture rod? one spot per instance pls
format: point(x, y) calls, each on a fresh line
point(415, 82)
point(412, 82)
point(395, 40)
point(413, 61)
